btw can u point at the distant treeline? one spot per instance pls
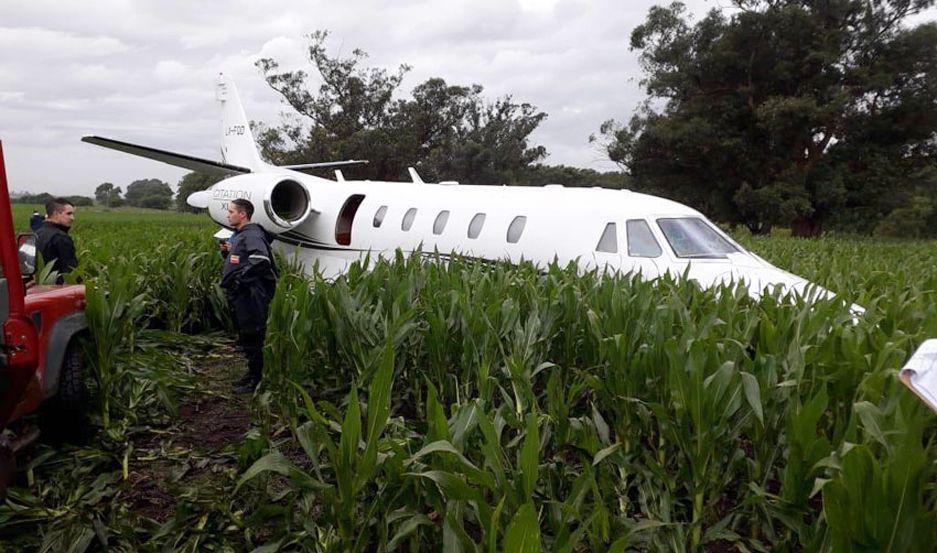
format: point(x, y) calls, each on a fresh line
point(149, 193)
point(43, 197)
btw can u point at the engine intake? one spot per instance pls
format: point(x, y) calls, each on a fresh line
point(280, 203)
point(289, 202)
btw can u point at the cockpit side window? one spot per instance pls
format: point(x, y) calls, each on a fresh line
point(608, 243)
point(694, 238)
point(641, 241)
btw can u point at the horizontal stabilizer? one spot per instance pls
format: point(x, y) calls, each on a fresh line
point(179, 160)
point(324, 164)
point(199, 199)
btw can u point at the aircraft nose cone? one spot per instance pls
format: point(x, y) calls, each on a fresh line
point(757, 278)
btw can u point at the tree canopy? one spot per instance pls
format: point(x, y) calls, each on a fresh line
point(151, 193)
point(796, 112)
point(447, 132)
point(108, 195)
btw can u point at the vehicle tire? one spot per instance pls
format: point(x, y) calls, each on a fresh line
point(67, 415)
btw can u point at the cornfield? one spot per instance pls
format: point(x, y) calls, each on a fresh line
point(430, 405)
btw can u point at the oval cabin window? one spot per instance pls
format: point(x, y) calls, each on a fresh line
point(439, 224)
point(379, 216)
point(475, 227)
point(516, 229)
point(408, 218)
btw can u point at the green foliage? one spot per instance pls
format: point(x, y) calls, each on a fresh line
point(429, 405)
point(539, 175)
point(149, 193)
point(786, 112)
point(447, 132)
point(108, 195)
point(140, 269)
point(558, 411)
point(41, 198)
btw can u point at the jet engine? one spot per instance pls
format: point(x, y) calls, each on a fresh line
point(280, 202)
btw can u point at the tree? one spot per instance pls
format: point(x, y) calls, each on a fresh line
point(156, 201)
point(152, 193)
point(785, 111)
point(190, 183)
point(40, 198)
point(80, 201)
point(108, 195)
point(447, 132)
point(574, 177)
point(44, 197)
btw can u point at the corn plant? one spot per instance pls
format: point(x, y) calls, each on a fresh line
point(114, 306)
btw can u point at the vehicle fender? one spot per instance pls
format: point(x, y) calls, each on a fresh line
point(62, 333)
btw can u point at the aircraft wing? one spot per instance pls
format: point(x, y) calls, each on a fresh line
point(172, 158)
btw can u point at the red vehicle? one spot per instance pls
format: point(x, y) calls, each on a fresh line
point(40, 358)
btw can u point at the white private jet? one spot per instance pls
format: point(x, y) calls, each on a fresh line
point(338, 222)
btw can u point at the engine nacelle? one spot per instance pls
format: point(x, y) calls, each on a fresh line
point(280, 202)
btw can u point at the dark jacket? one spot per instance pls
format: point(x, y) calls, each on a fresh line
point(54, 243)
point(35, 222)
point(249, 276)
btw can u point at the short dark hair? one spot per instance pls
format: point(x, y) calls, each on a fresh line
point(244, 207)
point(55, 205)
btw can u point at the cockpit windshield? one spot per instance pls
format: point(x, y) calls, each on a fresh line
point(692, 237)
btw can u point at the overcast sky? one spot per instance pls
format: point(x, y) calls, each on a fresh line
point(145, 71)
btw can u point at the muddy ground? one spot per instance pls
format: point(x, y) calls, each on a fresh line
point(197, 450)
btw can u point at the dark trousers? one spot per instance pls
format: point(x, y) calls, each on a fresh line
point(252, 345)
point(250, 307)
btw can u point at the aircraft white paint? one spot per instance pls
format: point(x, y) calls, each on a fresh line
point(335, 223)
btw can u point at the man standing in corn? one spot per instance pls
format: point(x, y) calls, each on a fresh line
point(249, 280)
point(53, 241)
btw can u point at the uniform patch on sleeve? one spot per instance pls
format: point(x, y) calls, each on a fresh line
point(234, 259)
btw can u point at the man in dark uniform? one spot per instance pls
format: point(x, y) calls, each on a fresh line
point(35, 221)
point(249, 280)
point(53, 241)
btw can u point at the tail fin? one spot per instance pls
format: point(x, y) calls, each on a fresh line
point(237, 141)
